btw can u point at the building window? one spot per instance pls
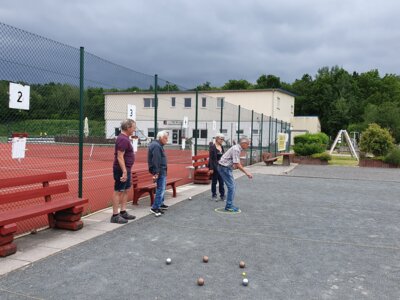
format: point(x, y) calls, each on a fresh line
point(203, 133)
point(239, 131)
point(148, 102)
point(173, 102)
point(203, 102)
point(292, 109)
point(188, 102)
point(224, 131)
point(220, 102)
point(150, 132)
point(278, 103)
point(255, 131)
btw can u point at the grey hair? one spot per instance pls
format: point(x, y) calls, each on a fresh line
point(125, 124)
point(244, 140)
point(219, 135)
point(162, 133)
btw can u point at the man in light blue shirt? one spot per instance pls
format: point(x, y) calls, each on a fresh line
point(228, 162)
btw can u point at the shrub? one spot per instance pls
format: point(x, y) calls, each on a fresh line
point(308, 144)
point(322, 156)
point(393, 157)
point(376, 140)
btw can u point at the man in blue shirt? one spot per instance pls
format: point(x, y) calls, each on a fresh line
point(157, 162)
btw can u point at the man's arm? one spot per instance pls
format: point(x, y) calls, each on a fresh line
point(241, 168)
point(121, 162)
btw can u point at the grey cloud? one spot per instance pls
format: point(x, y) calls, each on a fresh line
point(191, 42)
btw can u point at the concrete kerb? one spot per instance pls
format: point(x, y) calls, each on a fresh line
point(33, 247)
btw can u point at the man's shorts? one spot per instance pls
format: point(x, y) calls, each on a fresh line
point(121, 186)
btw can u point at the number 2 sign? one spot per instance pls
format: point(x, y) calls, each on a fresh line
point(19, 96)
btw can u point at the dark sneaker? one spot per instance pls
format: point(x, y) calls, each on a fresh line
point(155, 211)
point(164, 207)
point(127, 216)
point(118, 219)
point(222, 198)
point(232, 209)
point(214, 198)
point(161, 211)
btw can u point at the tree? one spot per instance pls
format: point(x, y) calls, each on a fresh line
point(376, 140)
point(237, 85)
point(268, 82)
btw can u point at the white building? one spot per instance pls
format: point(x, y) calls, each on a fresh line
point(176, 107)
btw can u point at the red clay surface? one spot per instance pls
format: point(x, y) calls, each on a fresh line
point(97, 172)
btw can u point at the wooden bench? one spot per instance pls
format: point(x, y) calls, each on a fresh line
point(201, 172)
point(62, 213)
point(142, 182)
point(268, 158)
point(287, 158)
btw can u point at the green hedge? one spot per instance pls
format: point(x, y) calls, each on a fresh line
point(309, 144)
point(51, 127)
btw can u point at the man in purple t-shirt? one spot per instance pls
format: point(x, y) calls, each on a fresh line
point(124, 158)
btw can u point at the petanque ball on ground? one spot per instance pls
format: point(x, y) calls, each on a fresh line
point(245, 281)
point(190, 198)
point(200, 281)
point(168, 261)
point(244, 274)
point(242, 264)
point(205, 259)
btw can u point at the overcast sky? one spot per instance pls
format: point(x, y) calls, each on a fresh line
point(189, 42)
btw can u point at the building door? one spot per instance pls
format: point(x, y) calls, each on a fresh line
point(176, 136)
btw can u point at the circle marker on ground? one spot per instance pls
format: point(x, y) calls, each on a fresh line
point(223, 211)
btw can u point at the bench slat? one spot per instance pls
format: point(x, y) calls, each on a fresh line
point(13, 216)
point(26, 180)
point(33, 193)
point(200, 156)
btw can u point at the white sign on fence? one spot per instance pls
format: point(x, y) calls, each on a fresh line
point(18, 148)
point(132, 112)
point(19, 96)
point(185, 122)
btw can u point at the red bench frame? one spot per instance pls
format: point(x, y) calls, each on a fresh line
point(62, 213)
point(142, 183)
point(201, 172)
point(268, 158)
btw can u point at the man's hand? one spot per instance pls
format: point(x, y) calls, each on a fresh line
point(155, 177)
point(124, 177)
point(249, 175)
point(211, 172)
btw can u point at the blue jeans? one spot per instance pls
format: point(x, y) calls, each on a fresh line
point(160, 191)
point(227, 176)
point(216, 177)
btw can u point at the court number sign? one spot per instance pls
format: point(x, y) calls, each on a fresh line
point(19, 96)
point(132, 112)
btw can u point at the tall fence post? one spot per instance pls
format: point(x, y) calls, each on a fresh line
point(269, 133)
point(261, 137)
point(81, 99)
point(196, 120)
point(276, 136)
point(222, 114)
point(238, 127)
point(155, 105)
point(251, 137)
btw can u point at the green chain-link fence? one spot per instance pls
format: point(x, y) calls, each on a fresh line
point(67, 105)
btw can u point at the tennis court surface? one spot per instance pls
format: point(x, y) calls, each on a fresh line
point(314, 233)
